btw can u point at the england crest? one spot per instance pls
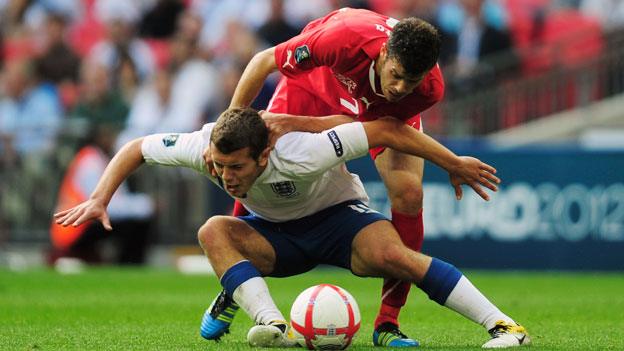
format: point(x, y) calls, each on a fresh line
point(284, 189)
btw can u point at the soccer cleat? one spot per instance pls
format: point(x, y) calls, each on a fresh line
point(507, 335)
point(388, 334)
point(274, 334)
point(218, 317)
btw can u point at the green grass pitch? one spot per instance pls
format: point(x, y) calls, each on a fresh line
point(148, 309)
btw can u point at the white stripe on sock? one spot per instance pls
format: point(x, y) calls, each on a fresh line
point(390, 290)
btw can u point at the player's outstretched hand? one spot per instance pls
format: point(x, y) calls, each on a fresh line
point(86, 211)
point(476, 174)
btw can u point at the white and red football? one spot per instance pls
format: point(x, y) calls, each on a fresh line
point(325, 317)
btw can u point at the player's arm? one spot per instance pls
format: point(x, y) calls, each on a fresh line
point(252, 79)
point(250, 84)
point(282, 123)
point(181, 150)
point(395, 134)
point(126, 161)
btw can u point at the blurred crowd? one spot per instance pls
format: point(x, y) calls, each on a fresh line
point(171, 65)
point(69, 67)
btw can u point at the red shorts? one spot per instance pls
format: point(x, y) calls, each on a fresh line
point(290, 97)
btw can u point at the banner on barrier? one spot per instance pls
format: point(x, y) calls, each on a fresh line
point(554, 210)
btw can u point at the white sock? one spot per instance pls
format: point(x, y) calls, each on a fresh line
point(254, 298)
point(468, 301)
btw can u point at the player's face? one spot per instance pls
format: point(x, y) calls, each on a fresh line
point(395, 83)
point(238, 170)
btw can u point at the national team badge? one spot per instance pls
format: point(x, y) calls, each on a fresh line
point(302, 53)
point(284, 189)
point(170, 140)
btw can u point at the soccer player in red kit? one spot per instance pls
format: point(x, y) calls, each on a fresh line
point(353, 64)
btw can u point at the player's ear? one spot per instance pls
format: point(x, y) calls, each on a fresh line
point(264, 156)
point(383, 51)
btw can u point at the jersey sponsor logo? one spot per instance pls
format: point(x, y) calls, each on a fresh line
point(353, 107)
point(333, 137)
point(302, 53)
point(348, 82)
point(170, 140)
point(284, 189)
point(288, 58)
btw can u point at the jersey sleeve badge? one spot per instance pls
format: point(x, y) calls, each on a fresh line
point(170, 140)
point(302, 53)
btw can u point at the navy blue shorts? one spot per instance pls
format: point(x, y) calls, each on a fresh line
point(322, 238)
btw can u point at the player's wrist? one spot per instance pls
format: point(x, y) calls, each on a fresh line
point(100, 198)
point(454, 164)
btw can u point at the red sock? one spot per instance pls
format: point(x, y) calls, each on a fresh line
point(394, 292)
point(239, 209)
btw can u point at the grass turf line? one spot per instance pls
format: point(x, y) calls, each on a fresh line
point(148, 309)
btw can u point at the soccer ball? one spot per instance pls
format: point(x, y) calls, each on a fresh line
point(325, 317)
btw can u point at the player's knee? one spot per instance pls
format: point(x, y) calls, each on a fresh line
point(387, 258)
point(209, 234)
point(408, 200)
point(393, 254)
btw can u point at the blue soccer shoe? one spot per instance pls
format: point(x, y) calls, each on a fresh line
point(389, 335)
point(218, 317)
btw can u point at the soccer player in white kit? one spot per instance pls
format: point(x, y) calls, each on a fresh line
point(306, 209)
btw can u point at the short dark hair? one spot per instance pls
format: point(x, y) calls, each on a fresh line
point(238, 128)
point(415, 44)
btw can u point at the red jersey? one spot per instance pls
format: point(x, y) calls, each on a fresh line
point(333, 60)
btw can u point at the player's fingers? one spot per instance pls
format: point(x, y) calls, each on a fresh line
point(62, 213)
point(106, 222)
point(273, 140)
point(488, 184)
point(488, 168)
point(480, 191)
point(458, 191)
point(83, 218)
point(61, 218)
point(490, 177)
point(72, 217)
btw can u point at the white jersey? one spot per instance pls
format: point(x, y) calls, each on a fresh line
point(306, 172)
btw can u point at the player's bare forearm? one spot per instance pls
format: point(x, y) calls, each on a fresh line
point(252, 79)
point(319, 124)
point(121, 166)
point(283, 123)
point(397, 135)
point(126, 161)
